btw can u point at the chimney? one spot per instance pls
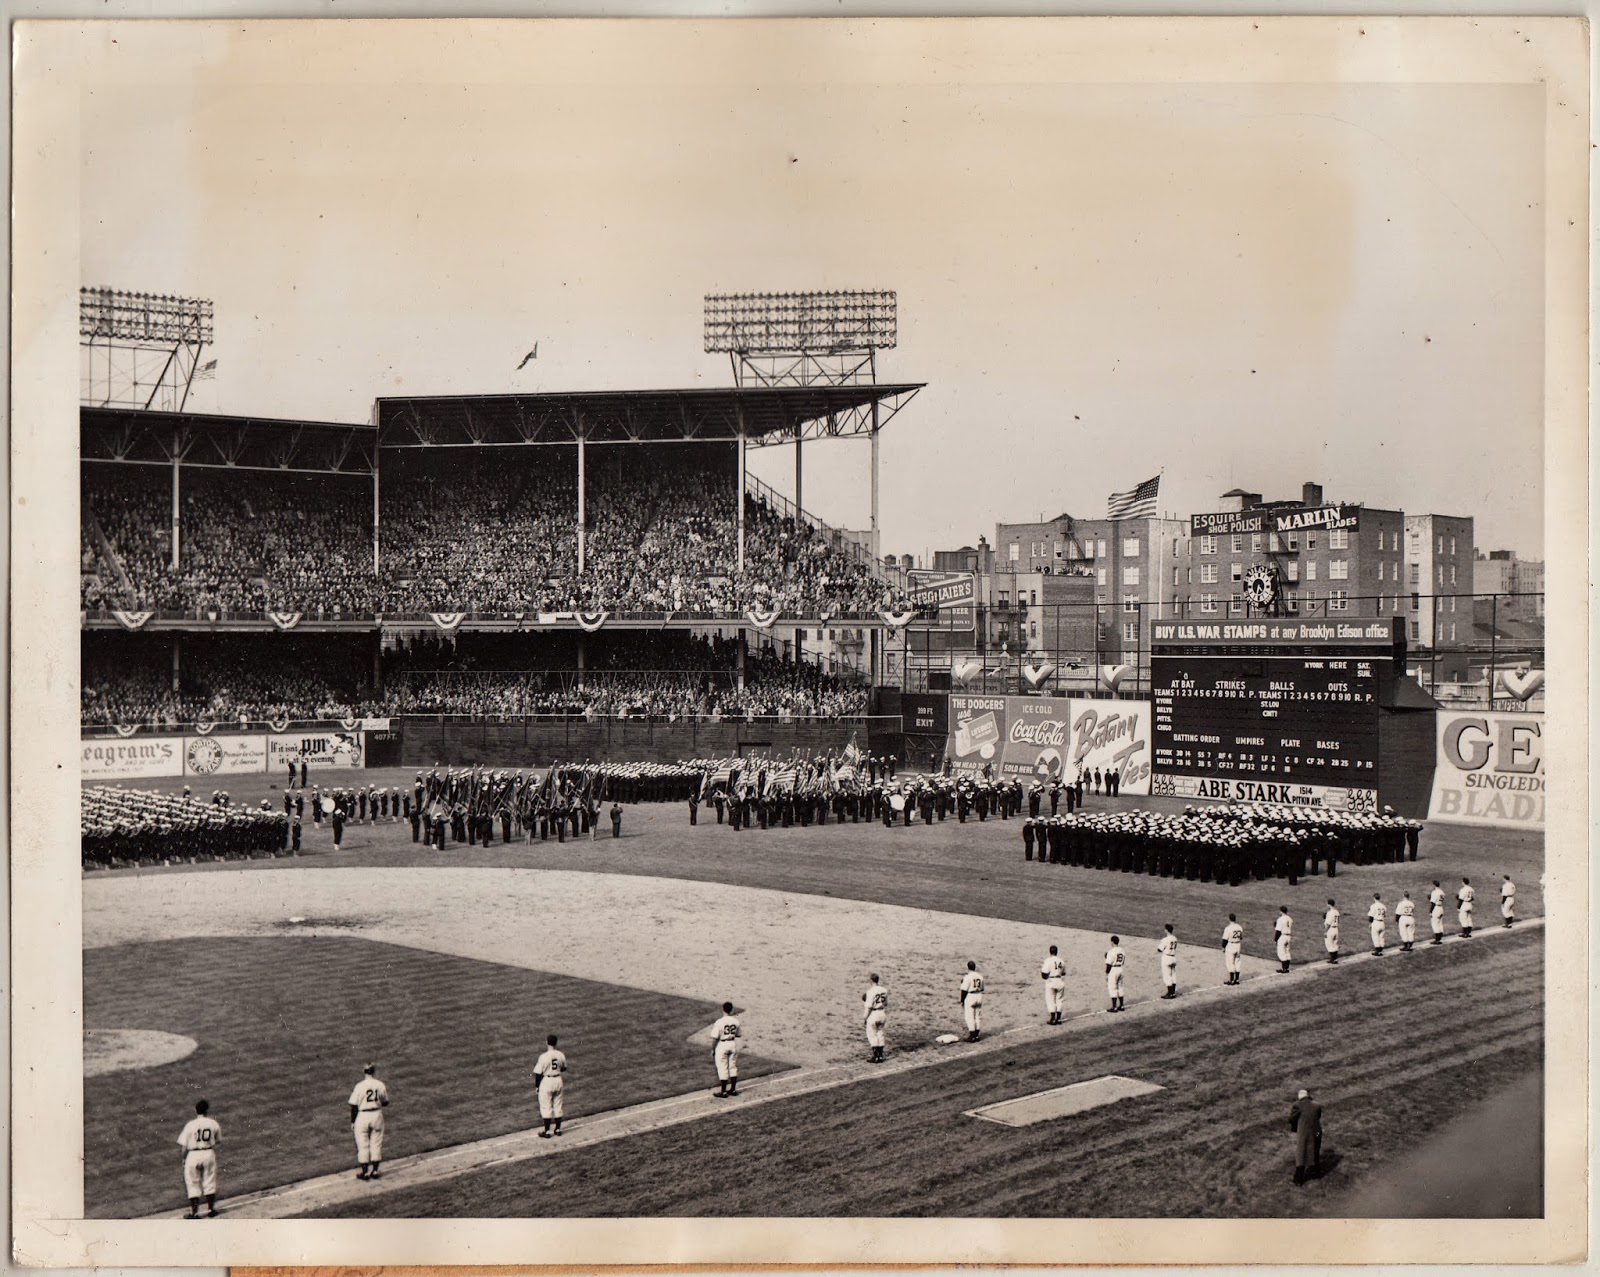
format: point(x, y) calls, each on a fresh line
point(1311, 494)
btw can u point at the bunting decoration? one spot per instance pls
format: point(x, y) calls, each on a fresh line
point(896, 620)
point(205, 729)
point(761, 618)
point(1522, 683)
point(284, 620)
point(350, 724)
point(278, 724)
point(126, 730)
point(131, 620)
point(1037, 674)
point(589, 622)
point(447, 620)
point(1112, 675)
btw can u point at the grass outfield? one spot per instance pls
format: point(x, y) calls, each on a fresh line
point(1395, 1049)
point(284, 1027)
point(974, 868)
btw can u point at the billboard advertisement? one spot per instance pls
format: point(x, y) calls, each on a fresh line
point(219, 755)
point(1227, 523)
point(953, 595)
point(1034, 738)
point(1490, 769)
point(1326, 516)
point(1224, 789)
point(321, 750)
point(135, 758)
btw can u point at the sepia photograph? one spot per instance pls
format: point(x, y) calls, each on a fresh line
point(835, 641)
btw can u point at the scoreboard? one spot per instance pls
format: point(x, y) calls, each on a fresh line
point(1275, 710)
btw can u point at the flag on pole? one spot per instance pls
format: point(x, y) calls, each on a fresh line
point(206, 371)
point(1139, 503)
point(852, 752)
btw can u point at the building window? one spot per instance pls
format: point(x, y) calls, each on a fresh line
point(1255, 542)
point(1130, 576)
point(1100, 549)
point(1033, 629)
point(1291, 601)
point(1130, 547)
point(1416, 604)
point(1033, 597)
point(1208, 602)
point(1238, 572)
point(1438, 572)
point(1235, 604)
point(1452, 574)
point(1294, 540)
point(1175, 572)
point(1338, 600)
point(1338, 569)
point(1416, 630)
point(1101, 574)
point(1130, 632)
point(1130, 603)
point(1452, 631)
point(1339, 539)
point(1208, 574)
point(1238, 543)
point(1311, 540)
point(1208, 545)
point(1016, 551)
point(1292, 569)
point(1311, 600)
point(1174, 545)
point(1311, 570)
point(1005, 598)
point(1441, 545)
point(1414, 576)
point(1452, 555)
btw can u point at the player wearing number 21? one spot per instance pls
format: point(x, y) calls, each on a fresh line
point(367, 1102)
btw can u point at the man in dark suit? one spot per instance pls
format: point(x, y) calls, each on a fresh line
point(1305, 1121)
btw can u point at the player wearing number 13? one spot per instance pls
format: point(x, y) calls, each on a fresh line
point(367, 1102)
point(972, 1001)
point(877, 1002)
point(729, 1038)
point(551, 1070)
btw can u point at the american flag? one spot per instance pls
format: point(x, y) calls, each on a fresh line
point(1140, 503)
point(783, 780)
point(852, 752)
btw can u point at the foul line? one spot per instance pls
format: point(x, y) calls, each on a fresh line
point(292, 1200)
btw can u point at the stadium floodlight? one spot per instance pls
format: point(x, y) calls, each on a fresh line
point(113, 315)
point(828, 323)
point(141, 350)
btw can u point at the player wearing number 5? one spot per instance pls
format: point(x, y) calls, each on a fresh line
point(1233, 949)
point(729, 1038)
point(199, 1140)
point(367, 1102)
point(551, 1070)
point(877, 1000)
point(972, 1001)
point(1116, 963)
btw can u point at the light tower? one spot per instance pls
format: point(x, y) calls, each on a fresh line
point(801, 339)
point(140, 350)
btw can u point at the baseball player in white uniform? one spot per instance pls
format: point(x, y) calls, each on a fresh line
point(1167, 947)
point(1508, 899)
point(1116, 964)
point(1405, 916)
point(1436, 912)
point(876, 999)
point(367, 1102)
point(1464, 898)
point(1054, 974)
point(1330, 933)
point(199, 1140)
point(1378, 914)
point(729, 1037)
point(551, 1070)
point(972, 1001)
point(1233, 949)
point(1283, 929)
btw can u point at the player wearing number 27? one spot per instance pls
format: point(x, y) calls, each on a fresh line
point(876, 999)
point(972, 1001)
point(367, 1102)
point(551, 1070)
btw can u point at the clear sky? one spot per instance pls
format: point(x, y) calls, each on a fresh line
point(1241, 285)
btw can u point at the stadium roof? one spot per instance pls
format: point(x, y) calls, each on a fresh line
point(140, 436)
point(763, 415)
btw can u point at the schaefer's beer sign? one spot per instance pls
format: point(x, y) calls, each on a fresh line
point(943, 590)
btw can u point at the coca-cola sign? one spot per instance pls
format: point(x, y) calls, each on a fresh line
point(1032, 738)
point(1046, 731)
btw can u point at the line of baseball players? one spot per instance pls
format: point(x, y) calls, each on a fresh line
point(202, 1135)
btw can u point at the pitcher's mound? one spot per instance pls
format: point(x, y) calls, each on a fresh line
point(117, 1050)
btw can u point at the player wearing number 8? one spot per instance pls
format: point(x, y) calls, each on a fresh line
point(367, 1102)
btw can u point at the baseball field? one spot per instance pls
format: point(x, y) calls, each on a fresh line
point(266, 984)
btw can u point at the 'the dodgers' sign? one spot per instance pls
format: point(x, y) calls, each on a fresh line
point(1036, 738)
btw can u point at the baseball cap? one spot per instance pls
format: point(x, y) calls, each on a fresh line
point(1304, 1095)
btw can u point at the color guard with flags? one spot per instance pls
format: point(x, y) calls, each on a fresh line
point(1138, 503)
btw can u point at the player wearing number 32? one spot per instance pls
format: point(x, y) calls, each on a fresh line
point(972, 1001)
point(551, 1070)
point(729, 1038)
point(877, 1001)
point(367, 1102)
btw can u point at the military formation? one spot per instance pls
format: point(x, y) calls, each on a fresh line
point(1229, 845)
point(132, 826)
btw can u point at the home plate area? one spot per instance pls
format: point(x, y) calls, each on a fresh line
point(1063, 1101)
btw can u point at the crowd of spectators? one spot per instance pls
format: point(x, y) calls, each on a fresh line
point(127, 680)
point(490, 531)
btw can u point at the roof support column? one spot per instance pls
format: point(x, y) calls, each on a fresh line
point(799, 489)
point(582, 492)
point(874, 536)
point(175, 465)
point(739, 499)
point(376, 570)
